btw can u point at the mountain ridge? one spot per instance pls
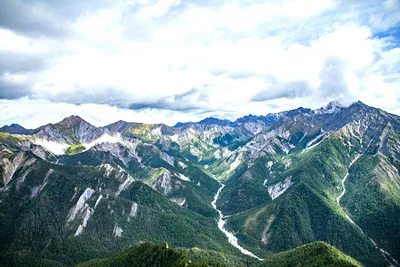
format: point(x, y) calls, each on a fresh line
point(74, 119)
point(281, 182)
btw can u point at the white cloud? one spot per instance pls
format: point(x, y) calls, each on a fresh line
point(34, 113)
point(158, 9)
point(207, 59)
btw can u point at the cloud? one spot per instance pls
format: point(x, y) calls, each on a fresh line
point(194, 59)
point(34, 113)
point(32, 18)
point(333, 82)
point(158, 9)
point(290, 90)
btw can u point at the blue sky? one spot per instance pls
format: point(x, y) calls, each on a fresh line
point(174, 60)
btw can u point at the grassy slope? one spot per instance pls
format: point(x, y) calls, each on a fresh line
point(75, 149)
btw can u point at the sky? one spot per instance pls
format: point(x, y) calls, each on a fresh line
point(184, 60)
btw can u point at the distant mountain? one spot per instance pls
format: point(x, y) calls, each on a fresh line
point(15, 129)
point(71, 130)
point(266, 120)
point(258, 186)
point(208, 121)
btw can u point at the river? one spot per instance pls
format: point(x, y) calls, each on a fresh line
point(232, 239)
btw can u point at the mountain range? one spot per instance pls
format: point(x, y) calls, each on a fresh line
point(245, 191)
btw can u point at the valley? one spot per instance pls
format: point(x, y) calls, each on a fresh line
point(252, 189)
point(231, 237)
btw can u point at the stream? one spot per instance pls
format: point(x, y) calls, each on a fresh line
point(384, 253)
point(232, 239)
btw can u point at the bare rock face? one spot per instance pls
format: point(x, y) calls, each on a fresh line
point(11, 165)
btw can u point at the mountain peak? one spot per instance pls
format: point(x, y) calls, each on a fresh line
point(208, 121)
point(213, 120)
point(15, 129)
point(330, 108)
point(359, 104)
point(72, 120)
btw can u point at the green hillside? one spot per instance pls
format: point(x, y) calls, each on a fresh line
point(310, 255)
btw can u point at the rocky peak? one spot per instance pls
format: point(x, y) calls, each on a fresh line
point(331, 108)
point(118, 126)
point(212, 120)
point(72, 121)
